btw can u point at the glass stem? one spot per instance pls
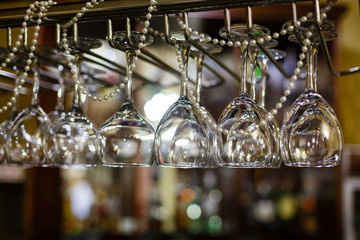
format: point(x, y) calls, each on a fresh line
point(185, 57)
point(311, 67)
point(78, 61)
point(35, 93)
point(263, 66)
point(129, 62)
point(243, 69)
point(253, 56)
point(61, 91)
point(199, 65)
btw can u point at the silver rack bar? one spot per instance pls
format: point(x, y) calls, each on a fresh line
point(120, 70)
point(188, 39)
point(128, 8)
point(10, 87)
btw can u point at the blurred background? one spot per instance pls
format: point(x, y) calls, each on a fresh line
point(163, 203)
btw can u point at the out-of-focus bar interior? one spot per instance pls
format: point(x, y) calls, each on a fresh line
point(101, 203)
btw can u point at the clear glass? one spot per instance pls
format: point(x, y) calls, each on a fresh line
point(71, 141)
point(126, 139)
point(182, 138)
point(215, 139)
point(250, 142)
point(24, 145)
point(311, 135)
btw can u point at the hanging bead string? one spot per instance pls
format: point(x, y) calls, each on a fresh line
point(65, 43)
point(290, 29)
point(141, 44)
point(42, 7)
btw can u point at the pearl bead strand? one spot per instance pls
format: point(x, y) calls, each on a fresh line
point(253, 42)
point(145, 30)
point(42, 7)
point(45, 5)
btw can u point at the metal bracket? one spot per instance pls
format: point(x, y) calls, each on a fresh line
point(325, 49)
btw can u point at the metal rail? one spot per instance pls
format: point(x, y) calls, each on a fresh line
point(325, 49)
point(128, 8)
point(121, 9)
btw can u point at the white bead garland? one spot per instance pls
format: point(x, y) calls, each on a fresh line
point(253, 42)
point(144, 31)
point(42, 7)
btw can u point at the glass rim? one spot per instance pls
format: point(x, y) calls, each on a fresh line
point(257, 30)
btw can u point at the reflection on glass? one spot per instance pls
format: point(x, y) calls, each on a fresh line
point(311, 134)
point(250, 143)
point(126, 139)
point(182, 139)
point(71, 141)
point(24, 145)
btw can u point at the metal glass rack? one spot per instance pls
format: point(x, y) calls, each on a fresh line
point(122, 9)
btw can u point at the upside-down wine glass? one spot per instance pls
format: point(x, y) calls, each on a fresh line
point(215, 138)
point(24, 145)
point(182, 139)
point(311, 134)
point(126, 139)
point(18, 62)
point(71, 141)
point(249, 142)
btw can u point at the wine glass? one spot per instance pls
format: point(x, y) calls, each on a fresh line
point(24, 143)
point(71, 141)
point(5, 127)
point(126, 139)
point(215, 139)
point(311, 134)
point(249, 142)
point(182, 138)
